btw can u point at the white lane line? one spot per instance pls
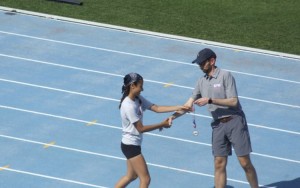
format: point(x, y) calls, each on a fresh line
point(95, 48)
point(53, 178)
point(152, 81)
point(138, 55)
point(119, 128)
point(261, 76)
point(255, 125)
point(60, 90)
point(118, 158)
point(56, 116)
point(202, 174)
point(270, 102)
point(60, 65)
point(274, 157)
point(117, 100)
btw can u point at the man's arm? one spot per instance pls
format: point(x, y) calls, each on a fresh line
point(189, 103)
point(231, 102)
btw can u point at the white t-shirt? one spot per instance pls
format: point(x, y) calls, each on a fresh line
point(131, 112)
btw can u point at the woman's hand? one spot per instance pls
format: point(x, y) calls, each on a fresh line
point(184, 108)
point(167, 123)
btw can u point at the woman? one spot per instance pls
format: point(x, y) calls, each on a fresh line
point(131, 107)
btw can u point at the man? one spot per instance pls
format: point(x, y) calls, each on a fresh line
point(217, 90)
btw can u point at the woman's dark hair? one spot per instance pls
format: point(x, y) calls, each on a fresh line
point(131, 78)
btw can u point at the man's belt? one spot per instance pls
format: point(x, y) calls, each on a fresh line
point(225, 119)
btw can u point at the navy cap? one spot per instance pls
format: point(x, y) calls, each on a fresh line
point(204, 55)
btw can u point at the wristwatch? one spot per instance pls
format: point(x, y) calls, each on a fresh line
point(209, 101)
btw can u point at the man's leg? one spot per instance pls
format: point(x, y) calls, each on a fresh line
point(250, 171)
point(220, 172)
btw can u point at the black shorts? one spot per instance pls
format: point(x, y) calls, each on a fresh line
point(130, 150)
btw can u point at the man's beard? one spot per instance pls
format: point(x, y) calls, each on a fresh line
point(207, 71)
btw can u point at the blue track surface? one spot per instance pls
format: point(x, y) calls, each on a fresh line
point(60, 85)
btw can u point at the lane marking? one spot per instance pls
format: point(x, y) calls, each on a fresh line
point(266, 77)
point(57, 116)
point(59, 65)
point(121, 158)
point(274, 157)
point(94, 48)
point(60, 90)
point(202, 174)
point(152, 134)
point(53, 178)
point(138, 55)
point(168, 84)
point(106, 98)
point(48, 145)
point(104, 125)
point(91, 123)
point(4, 167)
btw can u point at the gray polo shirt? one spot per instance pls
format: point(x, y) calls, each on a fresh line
point(220, 86)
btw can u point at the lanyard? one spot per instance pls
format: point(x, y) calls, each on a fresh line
point(195, 132)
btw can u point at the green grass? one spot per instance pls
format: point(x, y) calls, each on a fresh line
point(265, 24)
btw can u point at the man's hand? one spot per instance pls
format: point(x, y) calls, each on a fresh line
point(201, 101)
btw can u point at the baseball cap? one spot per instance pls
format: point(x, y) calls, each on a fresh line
point(204, 55)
